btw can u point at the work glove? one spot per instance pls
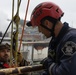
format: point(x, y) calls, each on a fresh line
point(45, 73)
point(20, 59)
point(46, 62)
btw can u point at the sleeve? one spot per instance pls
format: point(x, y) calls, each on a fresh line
point(65, 63)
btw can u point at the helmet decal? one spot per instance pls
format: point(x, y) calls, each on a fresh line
point(38, 13)
point(37, 8)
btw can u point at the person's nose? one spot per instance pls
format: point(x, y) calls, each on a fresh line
point(6, 52)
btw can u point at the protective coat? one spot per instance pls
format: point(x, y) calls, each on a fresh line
point(62, 50)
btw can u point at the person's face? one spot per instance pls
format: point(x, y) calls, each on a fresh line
point(4, 55)
point(46, 32)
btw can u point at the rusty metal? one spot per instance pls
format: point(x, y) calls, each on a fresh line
point(21, 70)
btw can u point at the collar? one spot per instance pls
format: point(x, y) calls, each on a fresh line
point(4, 65)
point(63, 31)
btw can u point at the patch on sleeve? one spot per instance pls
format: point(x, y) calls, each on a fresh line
point(69, 48)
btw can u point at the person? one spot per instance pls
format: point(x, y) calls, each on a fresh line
point(62, 47)
point(4, 56)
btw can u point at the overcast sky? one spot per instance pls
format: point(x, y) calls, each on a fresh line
point(68, 6)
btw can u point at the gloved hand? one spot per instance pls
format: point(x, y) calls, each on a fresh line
point(45, 73)
point(19, 57)
point(46, 62)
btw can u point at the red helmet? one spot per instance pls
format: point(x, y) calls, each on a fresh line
point(43, 10)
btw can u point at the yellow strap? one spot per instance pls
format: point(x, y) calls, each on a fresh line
point(11, 33)
point(16, 20)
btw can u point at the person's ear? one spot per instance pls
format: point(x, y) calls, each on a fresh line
point(47, 23)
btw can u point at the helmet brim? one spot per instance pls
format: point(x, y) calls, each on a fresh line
point(28, 24)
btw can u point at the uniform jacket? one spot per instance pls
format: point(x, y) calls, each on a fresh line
point(62, 50)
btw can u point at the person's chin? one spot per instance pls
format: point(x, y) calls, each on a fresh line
point(5, 60)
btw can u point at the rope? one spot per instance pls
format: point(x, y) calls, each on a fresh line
point(6, 31)
point(16, 20)
point(13, 19)
point(11, 35)
point(24, 25)
point(15, 34)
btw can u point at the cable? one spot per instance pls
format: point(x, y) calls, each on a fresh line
point(24, 25)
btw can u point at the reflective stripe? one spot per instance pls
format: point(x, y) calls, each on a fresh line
point(51, 68)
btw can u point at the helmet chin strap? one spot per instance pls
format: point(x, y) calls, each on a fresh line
point(51, 30)
point(51, 19)
point(52, 33)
